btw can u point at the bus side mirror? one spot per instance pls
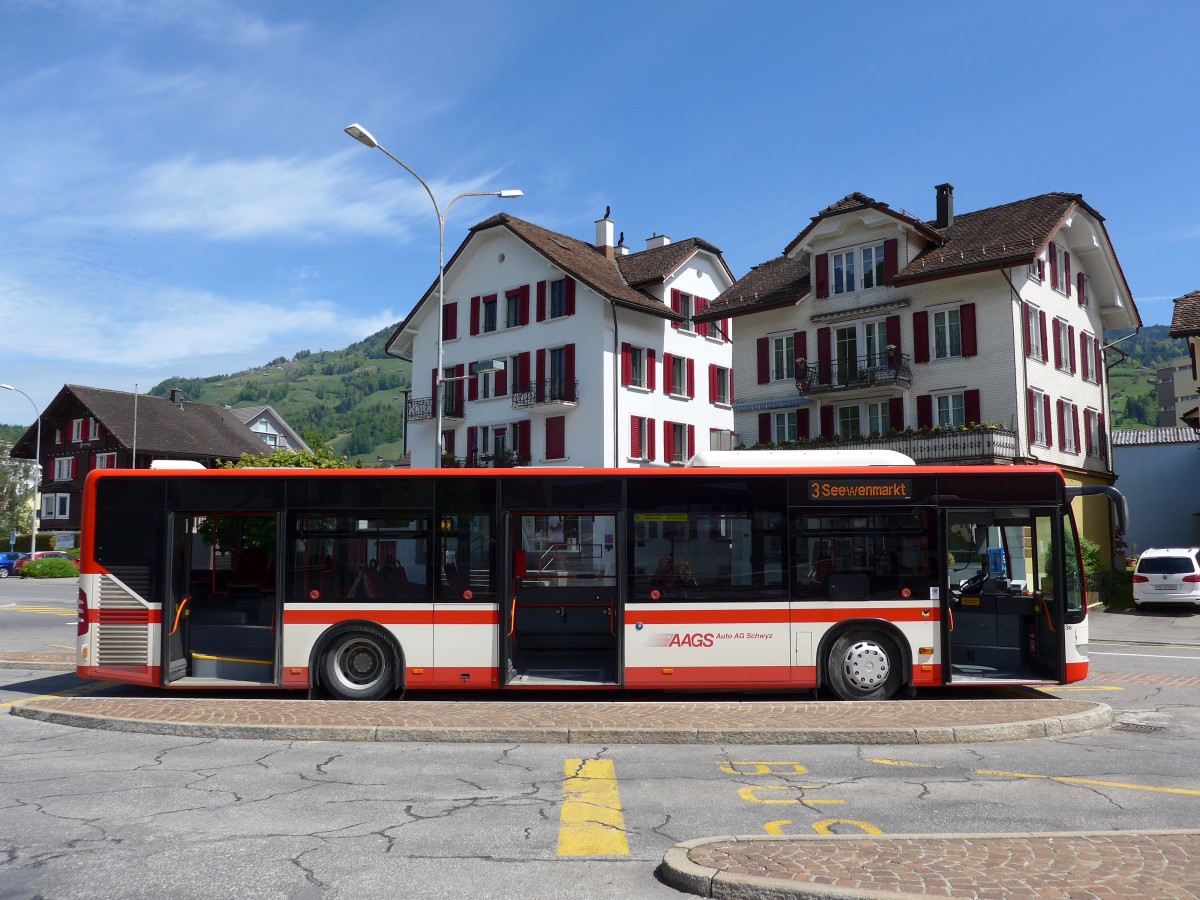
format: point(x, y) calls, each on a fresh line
point(519, 564)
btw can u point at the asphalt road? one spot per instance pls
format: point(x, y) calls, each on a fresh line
point(90, 813)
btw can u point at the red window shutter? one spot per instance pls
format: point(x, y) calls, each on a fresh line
point(474, 316)
point(1071, 346)
point(727, 330)
point(1046, 419)
point(764, 428)
point(450, 321)
point(502, 382)
point(434, 385)
point(569, 289)
point(651, 370)
point(691, 377)
point(1067, 272)
point(800, 345)
point(457, 390)
point(1099, 362)
point(1026, 330)
point(764, 361)
point(635, 437)
point(896, 413)
point(730, 378)
point(1103, 448)
point(569, 365)
point(523, 294)
point(1041, 269)
point(473, 386)
point(893, 332)
point(539, 386)
point(668, 373)
point(691, 448)
point(668, 441)
point(526, 439)
point(556, 437)
point(1087, 430)
point(701, 327)
point(523, 372)
point(92, 461)
point(1062, 422)
point(712, 382)
point(541, 301)
point(821, 264)
point(1042, 326)
point(966, 322)
point(1082, 293)
point(1075, 425)
point(1053, 255)
point(1057, 346)
point(1083, 356)
point(650, 426)
point(1031, 411)
point(472, 445)
point(824, 358)
point(827, 422)
point(626, 363)
point(925, 411)
point(921, 336)
point(891, 259)
point(676, 306)
point(971, 406)
point(74, 466)
point(802, 423)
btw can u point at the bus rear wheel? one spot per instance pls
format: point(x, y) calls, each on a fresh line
point(864, 666)
point(359, 665)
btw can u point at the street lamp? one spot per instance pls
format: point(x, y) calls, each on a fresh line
point(365, 138)
point(37, 467)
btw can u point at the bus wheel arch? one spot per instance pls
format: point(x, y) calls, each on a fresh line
point(358, 661)
point(864, 659)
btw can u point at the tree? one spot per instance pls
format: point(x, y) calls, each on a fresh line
point(321, 458)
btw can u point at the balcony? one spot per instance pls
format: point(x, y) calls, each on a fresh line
point(419, 408)
point(985, 445)
point(890, 370)
point(509, 459)
point(550, 392)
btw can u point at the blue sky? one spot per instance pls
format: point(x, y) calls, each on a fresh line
point(178, 196)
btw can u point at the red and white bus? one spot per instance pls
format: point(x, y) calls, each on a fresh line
point(862, 580)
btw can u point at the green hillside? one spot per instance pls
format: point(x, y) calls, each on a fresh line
point(349, 399)
point(1131, 389)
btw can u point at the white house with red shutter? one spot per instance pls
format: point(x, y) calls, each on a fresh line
point(556, 352)
point(877, 325)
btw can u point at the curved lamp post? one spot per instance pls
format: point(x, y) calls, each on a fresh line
point(37, 467)
point(365, 138)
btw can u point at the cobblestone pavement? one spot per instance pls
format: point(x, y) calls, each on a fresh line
point(1109, 865)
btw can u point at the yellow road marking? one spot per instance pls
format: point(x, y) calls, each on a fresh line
point(1092, 781)
point(70, 647)
point(1078, 687)
point(825, 826)
point(763, 768)
point(592, 821)
point(46, 610)
point(749, 794)
point(86, 689)
point(906, 765)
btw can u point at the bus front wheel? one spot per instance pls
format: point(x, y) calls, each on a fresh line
point(864, 666)
point(359, 665)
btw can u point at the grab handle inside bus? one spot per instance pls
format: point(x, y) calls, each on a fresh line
point(178, 613)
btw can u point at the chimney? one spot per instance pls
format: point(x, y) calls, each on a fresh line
point(177, 397)
point(604, 234)
point(621, 249)
point(945, 205)
point(657, 240)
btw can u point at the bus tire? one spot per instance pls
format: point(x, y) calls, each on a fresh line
point(864, 665)
point(358, 665)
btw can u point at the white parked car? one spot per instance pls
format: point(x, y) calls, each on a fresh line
point(1167, 575)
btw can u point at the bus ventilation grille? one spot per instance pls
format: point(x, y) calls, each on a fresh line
point(121, 644)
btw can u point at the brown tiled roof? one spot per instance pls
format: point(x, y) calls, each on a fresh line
point(780, 282)
point(195, 431)
point(1185, 320)
point(857, 201)
point(1012, 233)
point(616, 279)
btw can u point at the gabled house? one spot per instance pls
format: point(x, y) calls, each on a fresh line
point(1185, 323)
point(560, 352)
point(968, 338)
point(270, 427)
point(86, 428)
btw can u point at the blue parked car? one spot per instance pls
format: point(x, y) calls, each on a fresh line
point(8, 562)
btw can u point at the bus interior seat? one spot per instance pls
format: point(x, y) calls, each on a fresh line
point(849, 586)
point(250, 569)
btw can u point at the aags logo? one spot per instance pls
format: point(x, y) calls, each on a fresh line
point(682, 640)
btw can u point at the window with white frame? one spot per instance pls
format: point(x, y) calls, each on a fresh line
point(679, 376)
point(876, 342)
point(872, 268)
point(1039, 427)
point(637, 367)
point(1036, 269)
point(499, 440)
point(679, 442)
point(49, 507)
point(1085, 289)
point(1034, 327)
point(843, 272)
point(1062, 335)
point(951, 409)
point(490, 322)
point(1091, 420)
point(879, 418)
point(1058, 268)
point(785, 426)
point(106, 460)
point(1070, 421)
point(721, 377)
point(849, 422)
point(558, 298)
point(77, 430)
point(947, 334)
point(784, 358)
point(487, 386)
point(512, 302)
point(62, 468)
point(687, 308)
point(63, 506)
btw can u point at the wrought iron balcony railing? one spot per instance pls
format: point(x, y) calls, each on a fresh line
point(889, 368)
point(419, 408)
point(948, 446)
point(560, 391)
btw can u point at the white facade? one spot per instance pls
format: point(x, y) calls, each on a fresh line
point(590, 425)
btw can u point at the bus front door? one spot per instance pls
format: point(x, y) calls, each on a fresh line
point(562, 612)
point(220, 622)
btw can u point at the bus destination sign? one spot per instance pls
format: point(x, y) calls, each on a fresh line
point(842, 489)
